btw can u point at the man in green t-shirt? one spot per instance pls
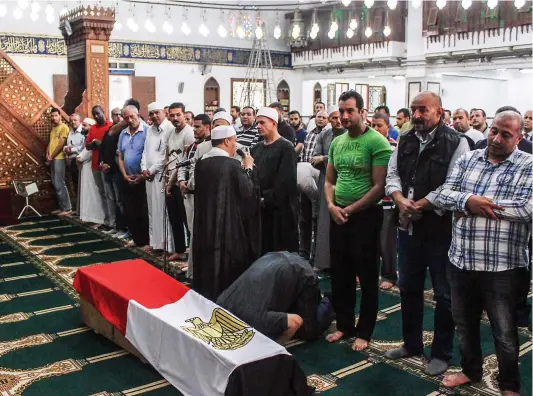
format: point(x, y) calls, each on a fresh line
point(355, 183)
point(55, 159)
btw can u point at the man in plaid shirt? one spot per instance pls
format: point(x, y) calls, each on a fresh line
point(491, 192)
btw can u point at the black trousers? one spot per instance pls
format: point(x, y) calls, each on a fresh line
point(177, 218)
point(354, 251)
point(494, 292)
point(136, 211)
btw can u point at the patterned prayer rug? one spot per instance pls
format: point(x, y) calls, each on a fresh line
point(45, 349)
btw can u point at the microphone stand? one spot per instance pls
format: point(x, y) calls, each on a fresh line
point(165, 228)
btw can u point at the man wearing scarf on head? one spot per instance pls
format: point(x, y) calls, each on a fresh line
point(275, 159)
point(227, 227)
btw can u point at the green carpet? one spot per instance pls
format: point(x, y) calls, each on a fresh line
point(45, 349)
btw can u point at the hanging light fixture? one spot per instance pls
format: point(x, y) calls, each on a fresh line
point(331, 34)
point(167, 28)
point(117, 26)
point(22, 4)
point(392, 4)
point(259, 32)
point(204, 31)
point(353, 24)
point(519, 3)
point(315, 28)
point(132, 25)
point(346, 3)
point(35, 7)
point(34, 16)
point(49, 10)
point(185, 29)
point(3, 10)
point(50, 18)
point(222, 31)
point(277, 32)
point(466, 4)
point(492, 4)
point(368, 32)
point(149, 26)
point(387, 29)
point(441, 4)
point(349, 33)
point(240, 32)
point(298, 38)
point(416, 3)
point(369, 3)
point(17, 13)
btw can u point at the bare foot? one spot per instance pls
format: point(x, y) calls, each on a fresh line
point(148, 248)
point(176, 256)
point(294, 322)
point(65, 213)
point(455, 379)
point(334, 337)
point(386, 285)
point(359, 344)
point(55, 212)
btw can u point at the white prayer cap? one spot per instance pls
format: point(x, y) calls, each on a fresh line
point(222, 132)
point(223, 115)
point(155, 106)
point(268, 112)
point(89, 121)
point(333, 109)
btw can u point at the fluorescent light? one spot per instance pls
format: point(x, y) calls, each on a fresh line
point(398, 77)
point(277, 32)
point(526, 71)
point(501, 70)
point(371, 76)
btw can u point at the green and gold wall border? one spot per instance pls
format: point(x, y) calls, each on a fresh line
point(40, 45)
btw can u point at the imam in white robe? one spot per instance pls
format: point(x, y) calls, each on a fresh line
point(153, 160)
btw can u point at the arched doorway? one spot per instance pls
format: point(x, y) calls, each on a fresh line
point(284, 95)
point(211, 95)
point(317, 95)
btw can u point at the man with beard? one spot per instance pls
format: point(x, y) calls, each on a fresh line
point(418, 167)
point(227, 230)
point(112, 179)
point(152, 164)
point(318, 106)
point(130, 150)
point(295, 121)
point(490, 192)
point(202, 132)
point(284, 129)
point(180, 138)
point(235, 113)
point(247, 134)
point(93, 142)
point(320, 161)
point(275, 159)
point(355, 181)
point(189, 118)
point(462, 125)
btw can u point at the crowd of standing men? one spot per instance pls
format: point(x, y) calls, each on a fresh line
point(344, 192)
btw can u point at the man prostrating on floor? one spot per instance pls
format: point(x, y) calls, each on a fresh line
point(279, 296)
point(355, 183)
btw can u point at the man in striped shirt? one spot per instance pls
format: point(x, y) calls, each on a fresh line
point(491, 192)
point(247, 133)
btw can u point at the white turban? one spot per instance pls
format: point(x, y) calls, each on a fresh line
point(89, 121)
point(223, 115)
point(222, 132)
point(268, 112)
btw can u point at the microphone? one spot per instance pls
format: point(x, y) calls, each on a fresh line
point(186, 163)
point(176, 151)
point(240, 152)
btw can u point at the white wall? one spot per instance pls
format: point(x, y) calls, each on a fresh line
point(484, 91)
point(213, 18)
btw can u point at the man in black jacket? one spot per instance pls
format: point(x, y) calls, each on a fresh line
point(424, 157)
point(284, 129)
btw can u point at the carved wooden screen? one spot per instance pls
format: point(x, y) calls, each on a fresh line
point(24, 131)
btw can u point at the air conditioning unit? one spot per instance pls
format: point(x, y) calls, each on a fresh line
point(121, 68)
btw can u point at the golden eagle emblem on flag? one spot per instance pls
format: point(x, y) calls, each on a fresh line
point(224, 331)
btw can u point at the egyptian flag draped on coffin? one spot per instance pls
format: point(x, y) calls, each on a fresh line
point(197, 346)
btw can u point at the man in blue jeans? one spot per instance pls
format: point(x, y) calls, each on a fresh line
point(424, 157)
point(490, 191)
